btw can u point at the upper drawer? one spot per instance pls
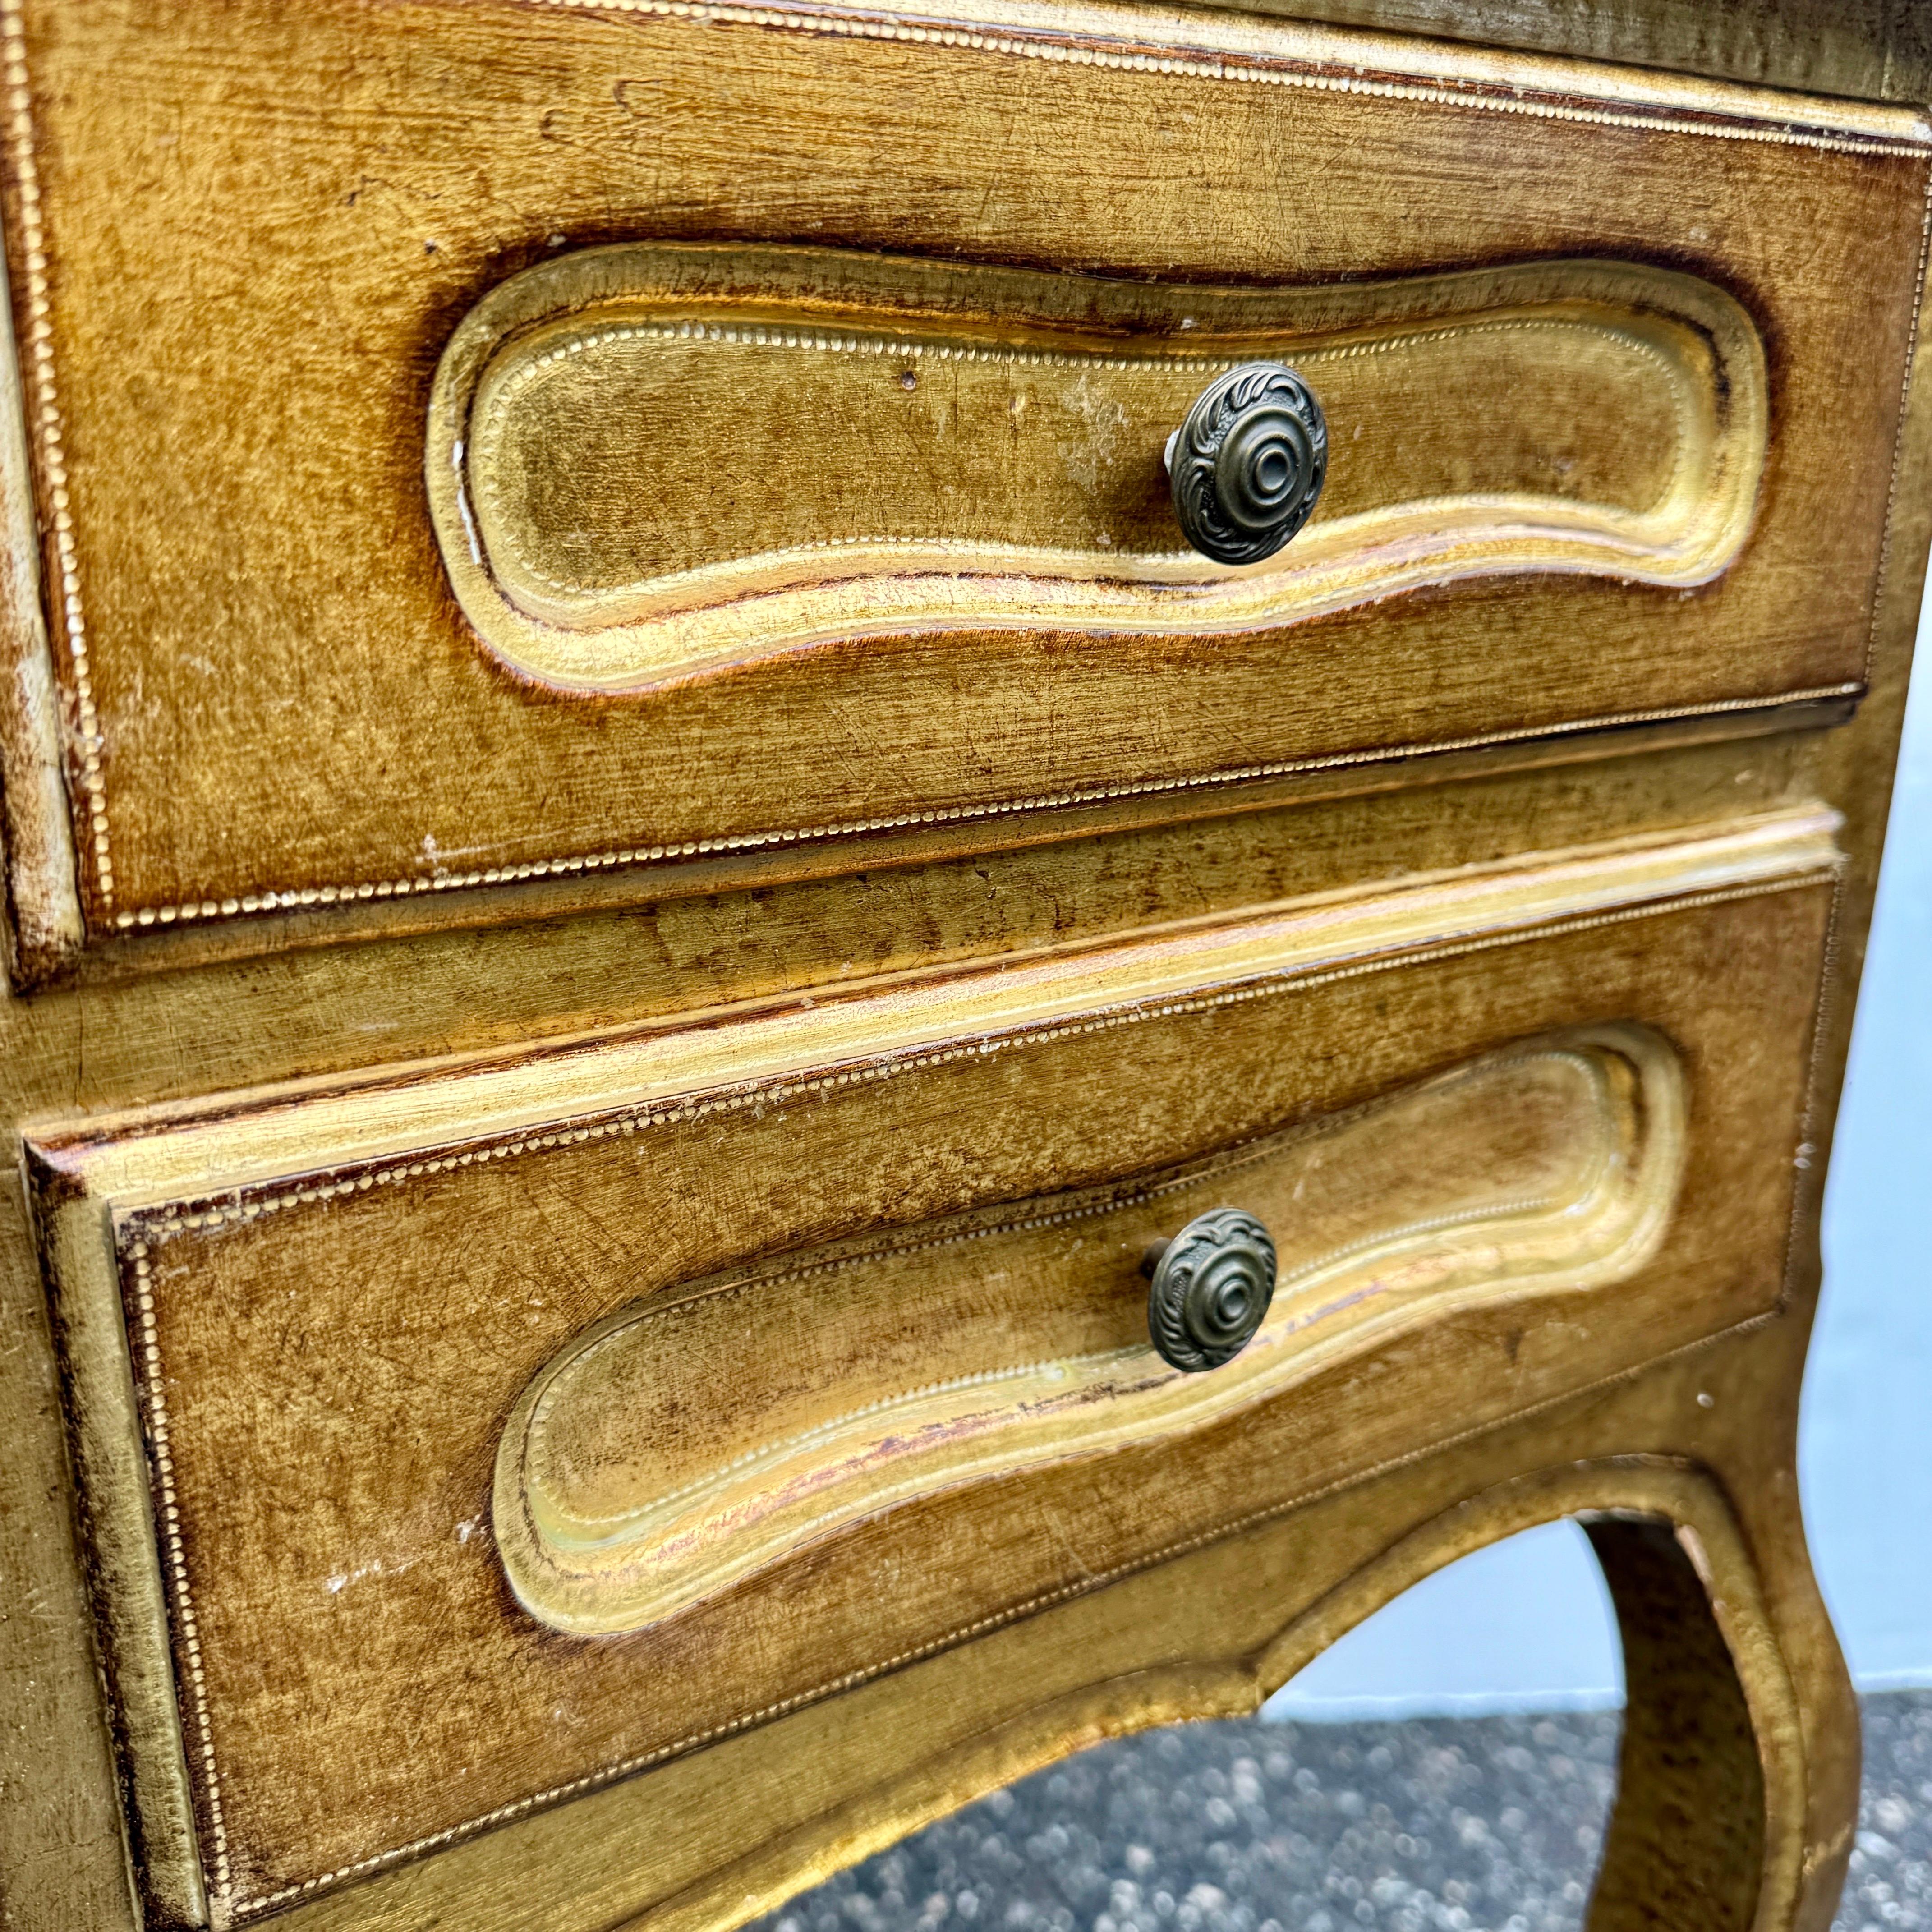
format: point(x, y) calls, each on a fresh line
point(476, 442)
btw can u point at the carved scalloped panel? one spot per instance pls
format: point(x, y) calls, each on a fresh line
point(719, 1428)
point(1513, 1130)
point(618, 448)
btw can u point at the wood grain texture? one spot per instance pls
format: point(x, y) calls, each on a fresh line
point(314, 1014)
point(43, 927)
point(1701, 1438)
point(359, 1287)
point(295, 706)
point(723, 1427)
point(1210, 1634)
point(1678, 1858)
point(613, 463)
point(1869, 49)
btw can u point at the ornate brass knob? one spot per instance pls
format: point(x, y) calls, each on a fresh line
point(1247, 465)
point(1209, 1289)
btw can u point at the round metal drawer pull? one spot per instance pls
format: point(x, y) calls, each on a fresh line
point(1248, 463)
point(1209, 1289)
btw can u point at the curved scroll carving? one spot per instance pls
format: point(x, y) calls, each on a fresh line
point(1248, 465)
point(690, 1440)
point(1209, 1290)
point(649, 460)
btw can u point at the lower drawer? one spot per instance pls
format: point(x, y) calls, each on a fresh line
point(464, 1440)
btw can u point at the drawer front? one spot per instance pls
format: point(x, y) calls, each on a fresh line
point(726, 433)
point(493, 1433)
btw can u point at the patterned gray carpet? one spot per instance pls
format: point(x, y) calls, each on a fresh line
point(1479, 1824)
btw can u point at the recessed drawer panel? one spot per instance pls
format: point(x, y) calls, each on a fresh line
point(729, 433)
point(695, 1439)
point(615, 441)
point(495, 1431)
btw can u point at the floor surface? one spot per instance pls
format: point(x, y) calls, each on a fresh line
point(1470, 1825)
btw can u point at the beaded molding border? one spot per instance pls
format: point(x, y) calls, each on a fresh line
point(45, 430)
point(306, 896)
point(1201, 61)
point(857, 340)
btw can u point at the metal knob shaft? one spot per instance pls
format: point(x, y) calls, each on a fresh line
point(1209, 1289)
point(1247, 465)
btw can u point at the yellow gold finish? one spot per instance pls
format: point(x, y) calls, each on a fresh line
point(428, 992)
point(613, 436)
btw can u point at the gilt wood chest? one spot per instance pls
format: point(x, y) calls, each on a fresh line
point(883, 884)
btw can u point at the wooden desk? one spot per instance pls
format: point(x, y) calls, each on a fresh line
point(743, 1101)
